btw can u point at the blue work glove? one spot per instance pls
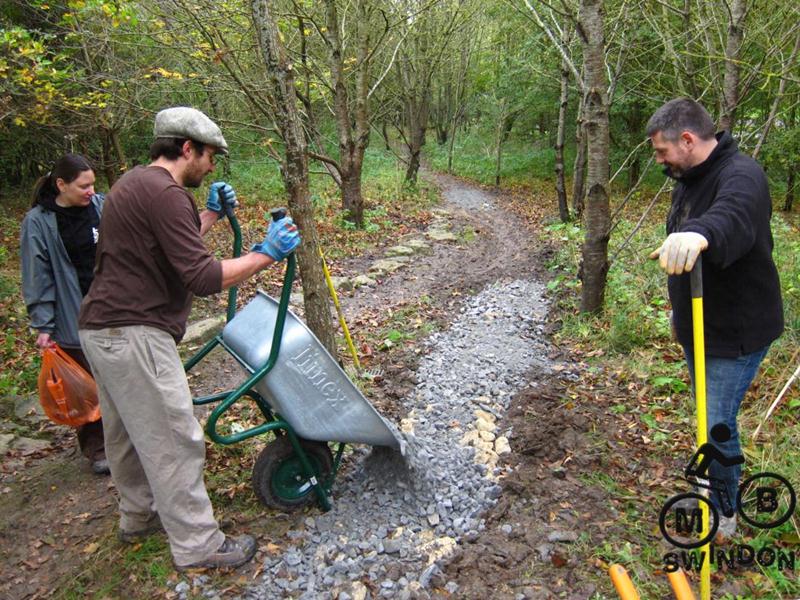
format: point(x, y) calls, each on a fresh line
point(282, 238)
point(220, 197)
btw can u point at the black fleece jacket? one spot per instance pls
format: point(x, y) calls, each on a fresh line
point(726, 200)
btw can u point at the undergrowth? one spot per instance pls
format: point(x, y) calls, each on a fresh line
point(633, 336)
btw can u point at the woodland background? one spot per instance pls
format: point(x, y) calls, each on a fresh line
point(335, 107)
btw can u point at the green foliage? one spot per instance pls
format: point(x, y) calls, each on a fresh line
point(787, 259)
point(256, 179)
point(34, 76)
point(7, 284)
point(374, 220)
point(673, 384)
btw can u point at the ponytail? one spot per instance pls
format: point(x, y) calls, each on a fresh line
point(44, 189)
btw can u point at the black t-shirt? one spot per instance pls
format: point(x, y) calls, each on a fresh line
point(78, 228)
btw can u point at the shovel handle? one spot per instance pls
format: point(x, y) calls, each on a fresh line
point(699, 349)
point(696, 278)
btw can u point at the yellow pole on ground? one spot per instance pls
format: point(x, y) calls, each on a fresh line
point(680, 585)
point(700, 398)
point(339, 312)
point(623, 583)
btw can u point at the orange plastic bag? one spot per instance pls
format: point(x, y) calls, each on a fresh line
point(67, 392)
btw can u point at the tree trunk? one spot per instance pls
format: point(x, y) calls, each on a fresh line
point(733, 46)
point(417, 126)
point(458, 108)
point(444, 95)
point(295, 174)
point(634, 171)
point(498, 150)
point(352, 130)
point(450, 148)
point(385, 135)
point(417, 119)
point(312, 129)
point(352, 199)
point(122, 159)
point(415, 70)
point(579, 170)
point(107, 162)
point(791, 169)
point(595, 247)
point(412, 170)
point(688, 63)
point(634, 120)
point(561, 186)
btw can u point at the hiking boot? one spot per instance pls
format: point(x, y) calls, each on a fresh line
point(234, 552)
point(100, 467)
point(132, 537)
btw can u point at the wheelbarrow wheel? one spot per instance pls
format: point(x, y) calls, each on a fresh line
point(279, 479)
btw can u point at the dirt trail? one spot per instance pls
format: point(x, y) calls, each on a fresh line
point(496, 249)
point(53, 509)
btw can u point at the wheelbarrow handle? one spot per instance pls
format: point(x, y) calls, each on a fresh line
point(237, 252)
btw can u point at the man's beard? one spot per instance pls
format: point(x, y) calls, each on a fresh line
point(193, 178)
point(676, 170)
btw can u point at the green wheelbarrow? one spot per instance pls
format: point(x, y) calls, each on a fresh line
point(307, 401)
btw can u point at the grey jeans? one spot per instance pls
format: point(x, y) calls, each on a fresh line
point(154, 444)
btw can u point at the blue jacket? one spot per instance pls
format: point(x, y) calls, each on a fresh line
point(49, 281)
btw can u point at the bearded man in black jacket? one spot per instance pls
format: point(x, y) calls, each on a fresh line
point(721, 207)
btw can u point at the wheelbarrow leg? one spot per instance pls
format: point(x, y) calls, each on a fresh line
point(319, 489)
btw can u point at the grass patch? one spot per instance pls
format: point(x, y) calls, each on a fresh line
point(474, 158)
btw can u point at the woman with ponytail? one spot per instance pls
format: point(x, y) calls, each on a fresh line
point(58, 242)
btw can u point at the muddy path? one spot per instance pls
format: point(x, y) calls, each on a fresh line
point(538, 538)
point(492, 245)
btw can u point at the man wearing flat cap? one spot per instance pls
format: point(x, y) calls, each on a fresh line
point(150, 262)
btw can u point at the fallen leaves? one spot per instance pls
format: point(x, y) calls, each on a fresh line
point(90, 548)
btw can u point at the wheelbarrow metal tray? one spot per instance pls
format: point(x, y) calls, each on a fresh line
point(306, 387)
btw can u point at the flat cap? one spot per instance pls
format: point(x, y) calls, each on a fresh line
point(185, 122)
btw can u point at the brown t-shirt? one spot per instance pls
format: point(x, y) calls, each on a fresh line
point(150, 257)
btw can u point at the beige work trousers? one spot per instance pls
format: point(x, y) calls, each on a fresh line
point(154, 444)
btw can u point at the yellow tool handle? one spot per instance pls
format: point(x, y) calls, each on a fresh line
point(680, 585)
point(623, 583)
point(339, 312)
point(696, 279)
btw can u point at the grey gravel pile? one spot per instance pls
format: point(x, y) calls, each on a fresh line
point(394, 519)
